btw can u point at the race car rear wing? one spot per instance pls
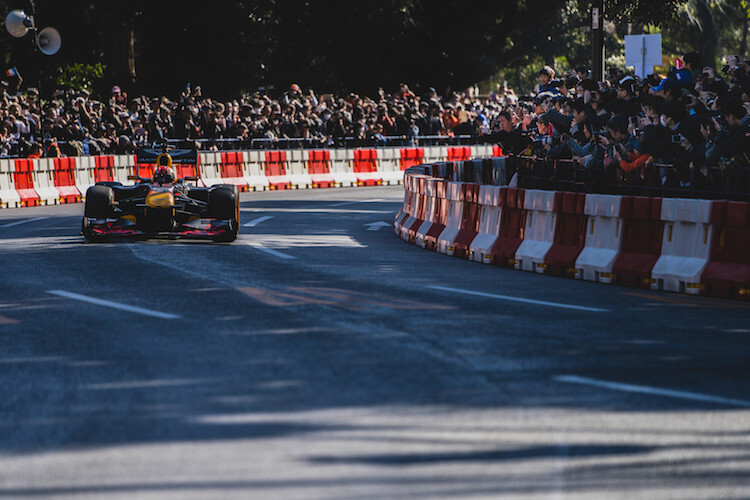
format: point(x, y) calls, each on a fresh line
point(150, 156)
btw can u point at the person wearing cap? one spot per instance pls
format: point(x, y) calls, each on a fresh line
point(546, 75)
point(293, 94)
point(624, 102)
point(118, 96)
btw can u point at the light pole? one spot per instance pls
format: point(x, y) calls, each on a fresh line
point(597, 40)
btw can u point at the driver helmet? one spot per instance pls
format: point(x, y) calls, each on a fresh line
point(164, 173)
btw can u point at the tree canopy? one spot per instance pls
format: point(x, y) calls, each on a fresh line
point(157, 46)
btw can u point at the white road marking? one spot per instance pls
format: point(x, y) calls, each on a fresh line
point(654, 391)
point(520, 299)
point(18, 223)
point(321, 210)
point(354, 203)
point(257, 221)
point(113, 305)
point(283, 241)
point(270, 251)
point(374, 226)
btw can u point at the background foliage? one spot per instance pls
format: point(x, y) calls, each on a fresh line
point(157, 46)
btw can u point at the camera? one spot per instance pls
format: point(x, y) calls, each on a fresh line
point(676, 138)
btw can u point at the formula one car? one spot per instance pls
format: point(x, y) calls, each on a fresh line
point(162, 206)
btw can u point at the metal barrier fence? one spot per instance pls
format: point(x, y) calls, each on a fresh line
point(17, 149)
point(661, 180)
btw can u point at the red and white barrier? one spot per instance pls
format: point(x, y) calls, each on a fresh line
point(319, 168)
point(232, 168)
point(603, 238)
point(341, 167)
point(570, 234)
point(365, 165)
point(539, 232)
point(436, 213)
point(9, 197)
point(390, 166)
point(64, 177)
point(489, 224)
point(678, 245)
point(686, 246)
point(209, 166)
point(422, 211)
point(512, 223)
point(728, 271)
point(26, 179)
point(276, 170)
point(641, 243)
point(255, 176)
point(469, 221)
point(298, 169)
point(124, 166)
point(447, 237)
point(435, 154)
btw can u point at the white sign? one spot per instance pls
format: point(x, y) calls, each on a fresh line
point(643, 52)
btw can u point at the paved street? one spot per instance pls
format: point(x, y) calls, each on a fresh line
point(322, 357)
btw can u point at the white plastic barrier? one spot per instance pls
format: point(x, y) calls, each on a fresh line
point(481, 151)
point(603, 238)
point(489, 223)
point(390, 165)
point(209, 167)
point(539, 232)
point(341, 167)
point(254, 174)
point(435, 154)
point(124, 167)
point(85, 177)
point(686, 245)
point(430, 216)
point(453, 221)
point(417, 208)
point(44, 184)
point(297, 172)
point(9, 197)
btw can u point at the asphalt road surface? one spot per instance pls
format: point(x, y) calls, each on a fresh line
point(321, 357)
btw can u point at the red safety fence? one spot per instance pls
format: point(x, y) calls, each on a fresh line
point(411, 157)
point(104, 168)
point(728, 271)
point(570, 234)
point(641, 241)
point(319, 168)
point(276, 170)
point(459, 153)
point(23, 178)
point(64, 178)
point(512, 225)
point(469, 220)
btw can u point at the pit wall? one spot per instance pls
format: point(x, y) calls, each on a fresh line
point(50, 181)
point(679, 245)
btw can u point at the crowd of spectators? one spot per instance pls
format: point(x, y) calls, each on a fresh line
point(693, 126)
point(695, 118)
